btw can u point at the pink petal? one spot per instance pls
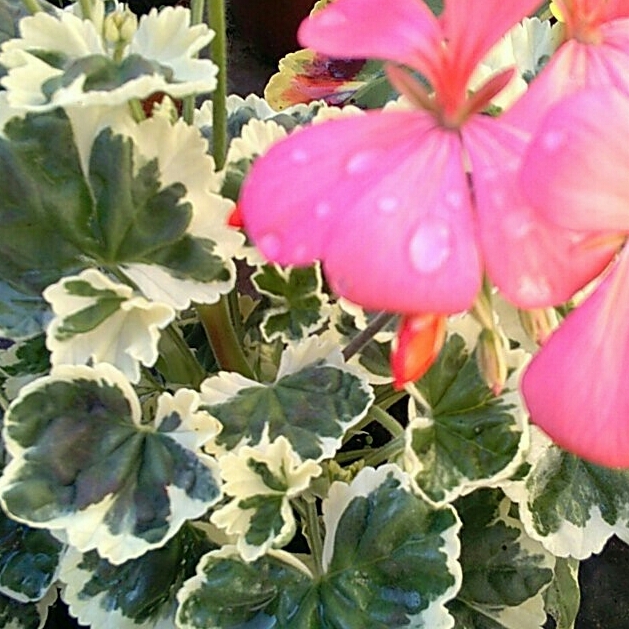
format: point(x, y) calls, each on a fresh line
point(573, 67)
point(615, 9)
point(576, 169)
point(382, 199)
point(472, 28)
point(533, 262)
point(404, 31)
point(576, 387)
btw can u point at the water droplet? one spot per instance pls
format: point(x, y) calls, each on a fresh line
point(323, 209)
point(498, 197)
point(519, 223)
point(360, 162)
point(270, 245)
point(553, 140)
point(388, 204)
point(300, 254)
point(431, 245)
point(331, 18)
point(531, 290)
point(490, 174)
point(299, 156)
point(454, 198)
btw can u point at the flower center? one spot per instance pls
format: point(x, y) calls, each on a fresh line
point(583, 20)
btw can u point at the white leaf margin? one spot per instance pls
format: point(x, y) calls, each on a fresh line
point(166, 37)
point(125, 339)
point(530, 614)
point(325, 308)
point(569, 540)
point(86, 529)
point(241, 482)
point(295, 357)
point(91, 610)
point(411, 463)
point(435, 616)
point(196, 583)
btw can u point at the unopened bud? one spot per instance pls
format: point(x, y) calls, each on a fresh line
point(119, 27)
point(490, 354)
point(538, 323)
point(417, 344)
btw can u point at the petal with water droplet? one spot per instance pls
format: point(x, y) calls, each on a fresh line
point(532, 261)
point(366, 228)
point(575, 170)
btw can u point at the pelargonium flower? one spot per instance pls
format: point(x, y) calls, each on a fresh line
point(406, 209)
point(576, 174)
point(594, 53)
point(62, 59)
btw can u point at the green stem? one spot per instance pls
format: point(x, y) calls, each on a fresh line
point(387, 396)
point(376, 414)
point(314, 536)
point(386, 421)
point(218, 325)
point(364, 336)
point(32, 6)
point(197, 11)
point(4, 403)
point(216, 20)
point(137, 111)
point(86, 9)
point(386, 452)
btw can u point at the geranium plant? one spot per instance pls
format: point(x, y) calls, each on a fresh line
point(348, 362)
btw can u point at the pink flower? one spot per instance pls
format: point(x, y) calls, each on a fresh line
point(407, 209)
point(594, 54)
point(576, 173)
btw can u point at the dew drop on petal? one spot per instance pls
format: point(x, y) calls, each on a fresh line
point(387, 205)
point(331, 18)
point(299, 156)
point(519, 223)
point(300, 255)
point(431, 245)
point(553, 140)
point(454, 198)
point(323, 209)
point(360, 162)
point(270, 245)
point(532, 290)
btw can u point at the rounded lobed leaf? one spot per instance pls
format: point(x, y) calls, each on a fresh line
point(85, 463)
point(472, 437)
point(315, 399)
point(389, 561)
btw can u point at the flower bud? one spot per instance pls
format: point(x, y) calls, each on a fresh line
point(490, 354)
point(538, 323)
point(119, 27)
point(417, 344)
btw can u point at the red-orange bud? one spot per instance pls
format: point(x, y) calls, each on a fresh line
point(419, 340)
point(235, 218)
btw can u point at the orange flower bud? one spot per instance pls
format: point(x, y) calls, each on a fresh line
point(235, 218)
point(418, 342)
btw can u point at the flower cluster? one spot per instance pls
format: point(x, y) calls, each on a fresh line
point(275, 367)
point(414, 207)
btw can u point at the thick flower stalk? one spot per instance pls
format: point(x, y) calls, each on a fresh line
point(407, 209)
point(576, 173)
